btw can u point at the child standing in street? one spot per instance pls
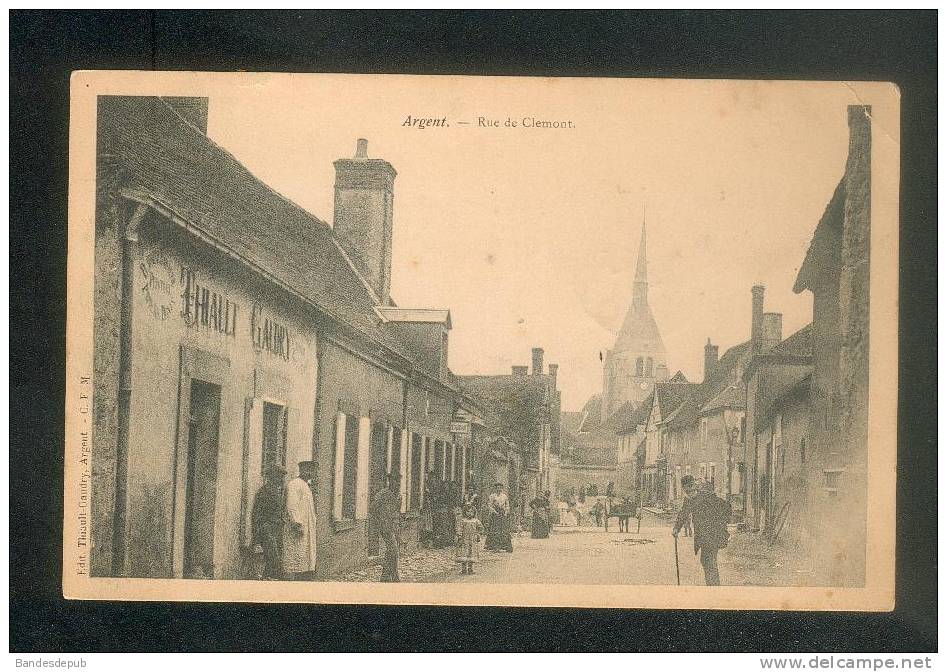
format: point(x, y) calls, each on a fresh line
point(469, 531)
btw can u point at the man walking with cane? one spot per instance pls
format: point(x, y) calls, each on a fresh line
point(709, 515)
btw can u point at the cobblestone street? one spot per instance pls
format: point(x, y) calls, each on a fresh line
point(590, 555)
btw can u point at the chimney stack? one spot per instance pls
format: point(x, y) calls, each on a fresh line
point(537, 361)
point(711, 353)
point(553, 373)
point(661, 373)
point(772, 330)
point(364, 194)
point(756, 326)
point(520, 371)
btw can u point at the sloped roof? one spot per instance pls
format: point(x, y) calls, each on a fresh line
point(679, 377)
point(823, 249)
point(672, 395)
point(627, 421)
point(591, 414)
point(177, 167)
point(639, 331)
point(797, 345)
point(731, 396)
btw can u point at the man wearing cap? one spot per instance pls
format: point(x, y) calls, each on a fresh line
point(299, 537)
point(266, 523)
point(710, 516)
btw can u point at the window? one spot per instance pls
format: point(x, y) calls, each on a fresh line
point(802, 450)
point(414, 488)
point(703, 433)
point(703, 471)
point(346, 466)
point(274, 435)
point(713, 473)
point(639, 366)
point(649, 368)
point(832, 478)
point(743, 429)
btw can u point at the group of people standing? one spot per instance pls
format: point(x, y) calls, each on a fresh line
point(283, 525)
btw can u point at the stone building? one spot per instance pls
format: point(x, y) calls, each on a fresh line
point(836, 271)
point(637, 360)
point(234, 330)
point(527, 406)
point(777, 417)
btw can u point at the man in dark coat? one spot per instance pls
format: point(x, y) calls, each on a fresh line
point(709, 515)
point(267, 519)
point(386, 512)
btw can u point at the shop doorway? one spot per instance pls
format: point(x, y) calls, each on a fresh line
point(201, 485)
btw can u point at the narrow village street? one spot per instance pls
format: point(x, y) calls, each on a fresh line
point(590, 555)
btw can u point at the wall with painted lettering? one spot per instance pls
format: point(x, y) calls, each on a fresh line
point(204, 327)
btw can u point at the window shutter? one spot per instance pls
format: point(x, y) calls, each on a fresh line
point(405, 469)
point(338, 483)
point(362, 467)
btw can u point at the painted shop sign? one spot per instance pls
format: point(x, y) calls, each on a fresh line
point(202, 306)
point(268, 334)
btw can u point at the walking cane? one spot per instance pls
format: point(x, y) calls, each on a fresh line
point(677, 562)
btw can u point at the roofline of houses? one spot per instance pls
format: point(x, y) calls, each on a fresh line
point(409, 369)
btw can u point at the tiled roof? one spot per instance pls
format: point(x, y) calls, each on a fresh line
point(797, 345)
point(169, 161)
point(592, 412)
point(731, 396)
point(626, 420)
point(825, 241)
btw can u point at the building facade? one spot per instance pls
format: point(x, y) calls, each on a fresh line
point(234, 330)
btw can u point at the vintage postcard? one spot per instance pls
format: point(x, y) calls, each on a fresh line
point(482, 341)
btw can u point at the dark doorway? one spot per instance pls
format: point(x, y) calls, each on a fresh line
point(274, 435)
point(376, 479)
point(201, 491)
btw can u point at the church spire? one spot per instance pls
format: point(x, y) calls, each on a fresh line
point(640, 296)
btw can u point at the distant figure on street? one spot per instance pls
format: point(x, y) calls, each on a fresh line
point(299, 535)
point(687, 527)
point(442, 522)
point(266, 523)
point(710, 516)
point(598, 510)
point(469, 531)
point(540, 523)
point(386, 512)
point(426, 516)
point(498, 526)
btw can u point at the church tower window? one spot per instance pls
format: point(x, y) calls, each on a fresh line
point(639, 366)
point(649, 369)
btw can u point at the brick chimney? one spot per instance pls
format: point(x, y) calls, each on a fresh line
point(711, 353)
point(772, 330)
point(520, 371)
point(537, 361)
point(756, 325)
point(554, 373)
point(364, 194)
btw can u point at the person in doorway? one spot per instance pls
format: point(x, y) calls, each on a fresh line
point(469, 532)
point(386, 513)
point(266, 523)
point(499, 537)
point(710, 516)
point(299, 533)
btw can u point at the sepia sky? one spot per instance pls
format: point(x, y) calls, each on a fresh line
point(529, 235)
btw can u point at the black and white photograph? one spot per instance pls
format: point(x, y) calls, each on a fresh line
point(609, 334)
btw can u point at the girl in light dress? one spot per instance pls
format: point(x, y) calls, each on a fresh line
point(469, 533)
